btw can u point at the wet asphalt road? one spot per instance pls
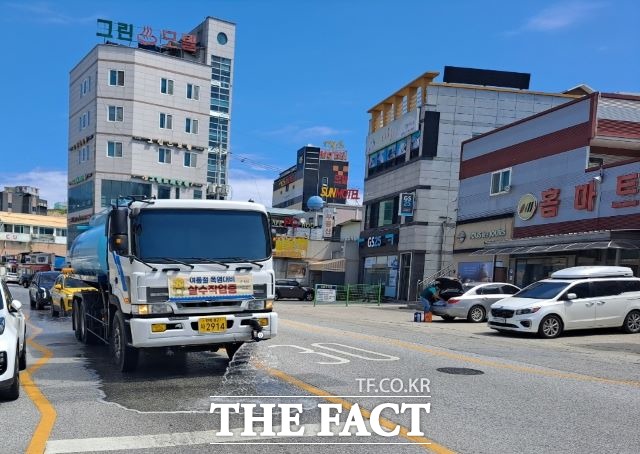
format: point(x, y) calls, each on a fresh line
point(579, 393)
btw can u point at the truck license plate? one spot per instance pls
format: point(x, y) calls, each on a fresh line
point(212, 325)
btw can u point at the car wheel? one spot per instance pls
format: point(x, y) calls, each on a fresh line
point(13, 392)
point(277, 296)
point(54, 311)
point(550, 327)
point(25, 284)
point(23, 353)
point(448, 318)
point(476, 314)
point(125, 357)
point(32, 303)
point(308, 296)
point(631, 323)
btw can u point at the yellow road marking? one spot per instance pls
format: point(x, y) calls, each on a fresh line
point(426, 443)
point(47, 412)
point(461, 357)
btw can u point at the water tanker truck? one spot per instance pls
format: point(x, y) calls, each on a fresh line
point(179, 274)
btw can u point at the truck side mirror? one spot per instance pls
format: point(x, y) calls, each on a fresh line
point(118, 231)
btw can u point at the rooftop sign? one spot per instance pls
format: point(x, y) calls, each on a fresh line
point(146, 36)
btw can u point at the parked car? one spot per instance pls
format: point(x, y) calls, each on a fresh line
point(13, 346)
point(40, 289)
point(10, 277)
point(62, 293)
point(573, 298)
point(290, 288)
point(475, 302)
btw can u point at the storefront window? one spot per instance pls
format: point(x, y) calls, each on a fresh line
point(382, 270)
point(530, 270)
point(81, 197)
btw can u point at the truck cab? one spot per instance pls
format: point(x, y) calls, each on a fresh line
point(176, 273)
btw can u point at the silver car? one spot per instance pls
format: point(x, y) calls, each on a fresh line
point(475, 302)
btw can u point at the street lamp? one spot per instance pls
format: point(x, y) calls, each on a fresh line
point(444, 225)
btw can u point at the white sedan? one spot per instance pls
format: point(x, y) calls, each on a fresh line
point(13, 347)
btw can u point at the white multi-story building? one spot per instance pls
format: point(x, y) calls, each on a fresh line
point(413, 158)
point(150, 120)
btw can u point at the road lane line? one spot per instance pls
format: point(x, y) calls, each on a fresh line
point(166, 440)
point(460, 357)
point(47, 412)
point(426, 443)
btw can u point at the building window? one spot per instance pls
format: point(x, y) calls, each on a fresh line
point(190, 159)
point(501, 181)
point(116, 77)
point(191, 126)
point(114, 149)
point(116, 113)
point(164, 155)
point(197, 194)
point(21, 229)
point(112, 189)
point(166, 86)
point(45, 230)
point(85, 86)
point(80, 197)
point(61, 232)
point(84, 154)
point(193, 91)
point(164, 192)
point(166, 121)
point(177, 193)
point(85, 119)
point(383, 213)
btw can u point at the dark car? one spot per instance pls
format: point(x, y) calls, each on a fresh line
point(40, 289)
point(24, 279)
point(290, 288)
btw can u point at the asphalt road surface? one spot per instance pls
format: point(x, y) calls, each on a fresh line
point(487, 392)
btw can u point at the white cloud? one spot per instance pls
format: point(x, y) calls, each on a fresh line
point(52, 183)
point(43, 12)
point(296, 133)
point(560, 16)
point(245, 186)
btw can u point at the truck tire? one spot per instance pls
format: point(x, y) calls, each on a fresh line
point(86, 337)
point(74, 318)
point(124, 357)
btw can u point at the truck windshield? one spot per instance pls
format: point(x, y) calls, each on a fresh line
point(215, 235)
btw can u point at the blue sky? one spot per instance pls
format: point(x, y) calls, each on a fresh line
point(306, 71)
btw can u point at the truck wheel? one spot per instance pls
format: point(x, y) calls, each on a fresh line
point(232, 349)
point(86, 337)
point(125, 357)
point(75, 324)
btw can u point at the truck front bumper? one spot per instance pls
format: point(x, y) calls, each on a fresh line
point(182, 331)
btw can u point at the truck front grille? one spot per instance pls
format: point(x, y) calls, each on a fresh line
point(201, 304)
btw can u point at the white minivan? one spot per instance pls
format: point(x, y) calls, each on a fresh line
point(580, 297)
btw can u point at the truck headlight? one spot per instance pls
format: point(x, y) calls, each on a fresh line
point(151, 309)
point(256, 305)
